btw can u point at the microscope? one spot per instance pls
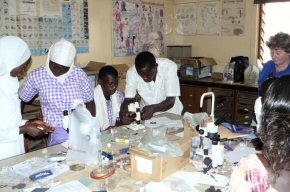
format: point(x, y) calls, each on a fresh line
point(209, 129)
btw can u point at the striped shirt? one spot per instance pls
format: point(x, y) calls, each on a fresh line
point(112, 119)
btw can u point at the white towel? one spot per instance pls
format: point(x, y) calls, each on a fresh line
point(101, 107)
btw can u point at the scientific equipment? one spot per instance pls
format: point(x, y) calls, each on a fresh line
point(135, 108)
point(65, 120)
point(209, 129)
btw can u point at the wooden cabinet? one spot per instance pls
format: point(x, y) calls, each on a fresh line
point(244, 109)
point(224, 103)
point(237, 102)
point(190, 97)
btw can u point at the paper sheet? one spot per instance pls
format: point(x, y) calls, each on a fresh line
point(178, 181)
point(72, 186)
point(156, 122)
point(238, 153)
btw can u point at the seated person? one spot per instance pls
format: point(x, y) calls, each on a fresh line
point(61, 87)
point(279, 45)
point(269, 171)
point(108, 100)
point(156, 82)
point(15, 57)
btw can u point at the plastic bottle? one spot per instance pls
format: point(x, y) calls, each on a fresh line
point(65, 120)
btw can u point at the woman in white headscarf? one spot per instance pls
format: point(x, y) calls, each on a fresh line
point(15, 57)
point(61, 86)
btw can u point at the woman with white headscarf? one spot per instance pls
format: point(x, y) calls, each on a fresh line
point(14, 59)
point(61, 86)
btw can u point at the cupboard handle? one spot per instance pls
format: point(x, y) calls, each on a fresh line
point(189, 105)
point(190, 95)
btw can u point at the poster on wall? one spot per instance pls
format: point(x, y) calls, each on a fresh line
point(133, 20)
point(42, 22)
point(186, 23)
point(233, 17)
point(208, 18)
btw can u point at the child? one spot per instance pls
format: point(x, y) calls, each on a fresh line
point(108, 100)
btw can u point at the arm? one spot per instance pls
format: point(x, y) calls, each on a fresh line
point(130, 93)
point(87, 93)
point(91, 107)
point(125, 116)
point(149, 110)
point(35, 128)
point(28, 90)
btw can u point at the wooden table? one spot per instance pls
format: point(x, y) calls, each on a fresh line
point(121, 181)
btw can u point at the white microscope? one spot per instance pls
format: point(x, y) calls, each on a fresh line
point(209, 129)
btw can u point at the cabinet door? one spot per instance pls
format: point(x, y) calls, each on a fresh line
point(224, 103)
point(190, 98)
point(245, 102)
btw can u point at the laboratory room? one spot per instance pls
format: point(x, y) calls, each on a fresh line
point(144, 95)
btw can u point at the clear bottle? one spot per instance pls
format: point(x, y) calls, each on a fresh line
point(65, 120)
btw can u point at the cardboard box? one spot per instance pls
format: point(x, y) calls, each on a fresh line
point(195, 68)
point(145, 167)
point(92, 69)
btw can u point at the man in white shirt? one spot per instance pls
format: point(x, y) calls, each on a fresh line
point(157, 83)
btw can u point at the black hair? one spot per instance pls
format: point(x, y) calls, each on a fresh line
point(144, 59)
point(275, 126)
point(265, 85)
point(108, 70)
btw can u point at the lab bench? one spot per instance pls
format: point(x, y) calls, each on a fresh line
point(236, 100)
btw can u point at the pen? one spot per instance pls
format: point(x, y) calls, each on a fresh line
point(41, 128)
point(121, 140)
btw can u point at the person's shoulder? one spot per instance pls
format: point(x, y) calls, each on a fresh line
point(38, 71)
point(78, 71)
point(269, 64)
point(165, 62)
point(132, 70)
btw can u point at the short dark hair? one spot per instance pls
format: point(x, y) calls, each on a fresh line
point(108, 70)
point(144, 59)
point(280, 40)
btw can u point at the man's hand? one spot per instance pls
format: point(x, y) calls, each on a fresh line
point(212, 189)
point(147, 112)
point(127, 118)
point(36, 128)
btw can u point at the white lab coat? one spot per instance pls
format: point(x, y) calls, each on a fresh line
point(166, 85)
point(13, 52)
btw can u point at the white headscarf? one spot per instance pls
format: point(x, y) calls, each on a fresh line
point(13, 53)
point(63, 53)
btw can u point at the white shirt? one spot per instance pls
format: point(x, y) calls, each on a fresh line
point(166, 85)
point(11, 143)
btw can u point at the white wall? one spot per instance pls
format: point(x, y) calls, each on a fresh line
point(219, 47)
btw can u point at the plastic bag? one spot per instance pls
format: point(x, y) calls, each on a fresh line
point(194, 119)
point(84, 138)
point(251, 75)
point(155, 142)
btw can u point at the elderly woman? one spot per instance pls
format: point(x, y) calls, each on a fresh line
point(61, 86)
point(279, 45)
point(14, 59)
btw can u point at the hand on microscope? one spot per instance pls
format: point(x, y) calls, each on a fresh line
point(127, 118)
point(147, 112)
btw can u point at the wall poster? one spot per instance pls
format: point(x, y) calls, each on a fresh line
point(186, 14)
point(233, 17)
point(133, 20)
point(42, 22)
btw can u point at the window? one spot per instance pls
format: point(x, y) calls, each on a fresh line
point(274, 18)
